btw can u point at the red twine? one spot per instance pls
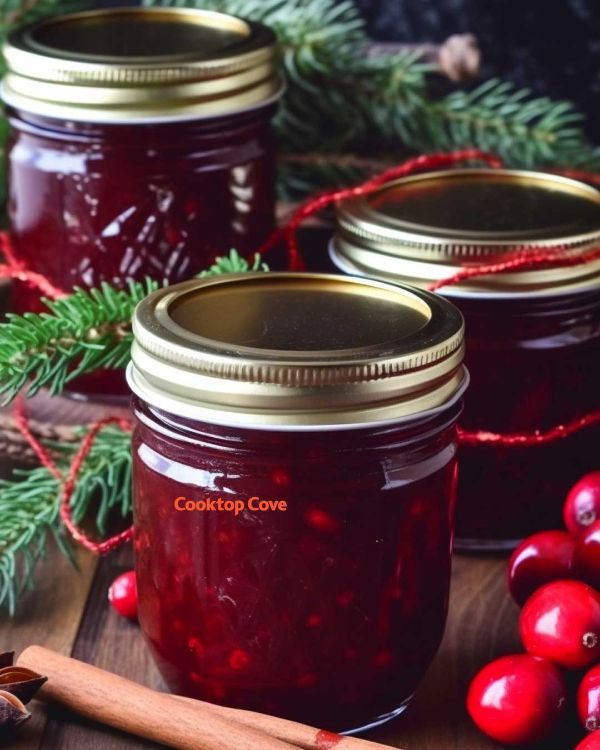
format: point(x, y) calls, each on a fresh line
point(557, 256)
point(551, 256)
point(424, 163)
point(15, 269)
point(101, 548)
point(537, 437)
point(68, 482)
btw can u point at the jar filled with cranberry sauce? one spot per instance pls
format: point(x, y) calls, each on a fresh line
point(294, 482)
point(140, 144)
point(532, 337)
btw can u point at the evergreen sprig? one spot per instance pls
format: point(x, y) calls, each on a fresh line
point(29, 505)
point(82, 332)
point(234, 263)
point(498, 117)
point(341, 100)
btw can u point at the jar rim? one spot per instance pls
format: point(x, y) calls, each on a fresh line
point(473, 291)
point(179, 408)
point(299, 349)
point(424, 228)
point(209, 64)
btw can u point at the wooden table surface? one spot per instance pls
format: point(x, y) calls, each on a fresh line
point(68, 611)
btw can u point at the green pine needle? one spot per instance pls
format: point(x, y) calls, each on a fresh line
point(234, 263)
point(85, 331)
point(28, 511)
point(80, 333)
point(29, 505)
point(498, 117)
point(340, 101)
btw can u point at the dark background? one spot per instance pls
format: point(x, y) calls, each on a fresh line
point(550, 46)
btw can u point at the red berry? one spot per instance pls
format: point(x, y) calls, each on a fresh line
point(588, 700)
point(122, 595)
point(321, 520)
point(561, 622)
point(239, 659)
point(539, 559)
point(591, 742)
point(586, 560)
point(517, 699)
point(582, 507)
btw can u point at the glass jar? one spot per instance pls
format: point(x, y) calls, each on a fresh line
point(140, 146)
point(532, 337)
point(294, 481)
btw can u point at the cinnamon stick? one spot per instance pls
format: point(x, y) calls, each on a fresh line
point(299, 735)
point(109, 699)
point(130, 707)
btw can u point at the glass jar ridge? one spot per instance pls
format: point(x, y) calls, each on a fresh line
point(402, 354)
point(532, 336)
point(294, 557)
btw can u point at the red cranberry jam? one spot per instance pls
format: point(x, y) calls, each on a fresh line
point(140, 146)
point(294, 483)
point(532, 338)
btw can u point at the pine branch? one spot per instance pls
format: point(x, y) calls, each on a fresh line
point(85, 331)
point(234, 263)
point(340, 100)
point(28, 511)
point(81, 333)
point(498, 117)
point(29, 505)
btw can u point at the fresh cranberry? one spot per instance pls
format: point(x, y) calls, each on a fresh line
point(591, 742)
point(517, 699)
point(586, 560)
point(588, 700)
point(561, 622)
point(539, 559)
point(582, 507)
point(122, 595)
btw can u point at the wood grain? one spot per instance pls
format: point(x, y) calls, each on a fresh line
point(482, 625)
point(129, 706)
point(50, 615)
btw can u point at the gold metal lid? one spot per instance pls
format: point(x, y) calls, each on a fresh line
point(141, 64)
point(425, 228)
point(296, 349)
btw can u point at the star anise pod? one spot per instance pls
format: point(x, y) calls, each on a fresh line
point(18, 685)
point(12, 711)
point(21, 682)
